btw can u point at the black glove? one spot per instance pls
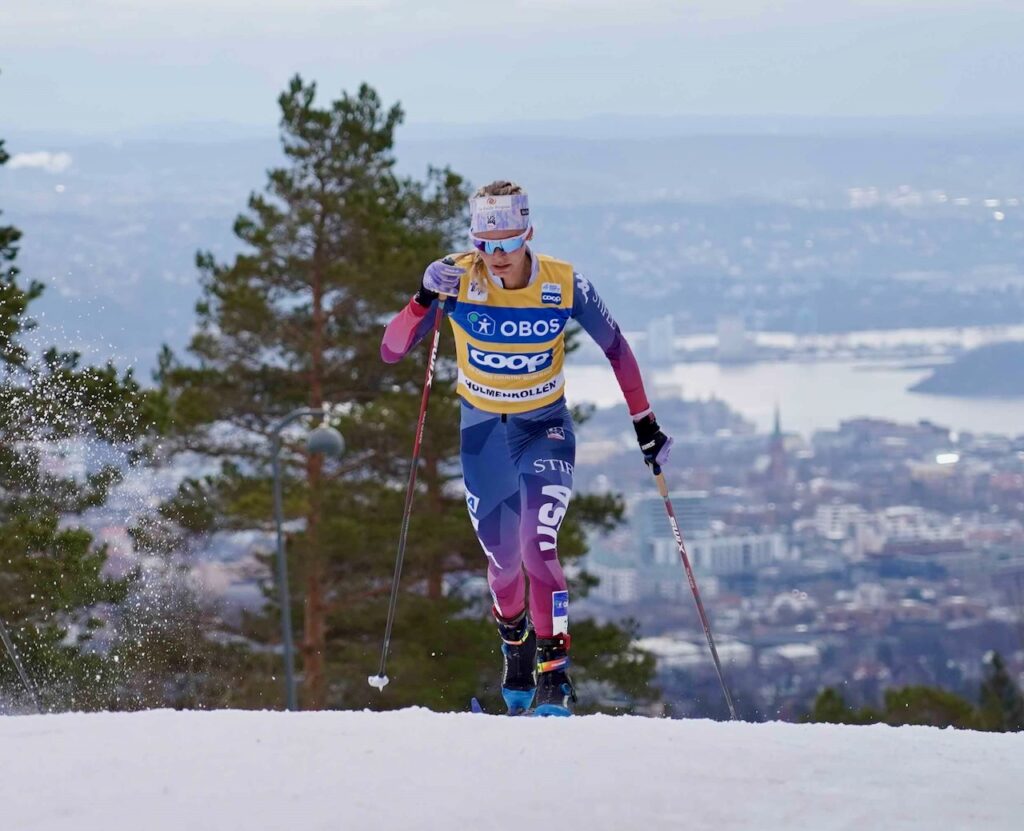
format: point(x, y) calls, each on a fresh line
point(654, 444)
point(425, 297)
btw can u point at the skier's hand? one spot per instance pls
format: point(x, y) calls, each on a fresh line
point(442, 277)
point(654, 444)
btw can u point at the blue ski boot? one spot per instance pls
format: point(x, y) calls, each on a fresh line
point(519, 648)
point(555, 692)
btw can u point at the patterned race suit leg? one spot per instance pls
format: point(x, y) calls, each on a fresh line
point(518, 477)
point(543, 445)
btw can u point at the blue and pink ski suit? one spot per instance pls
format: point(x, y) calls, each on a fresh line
point(518, 466)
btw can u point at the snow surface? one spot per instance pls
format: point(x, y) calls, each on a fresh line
point(414, 769)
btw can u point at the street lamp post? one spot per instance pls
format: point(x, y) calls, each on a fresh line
point(328, 441)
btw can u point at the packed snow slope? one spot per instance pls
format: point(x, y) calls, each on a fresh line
point(414, 769)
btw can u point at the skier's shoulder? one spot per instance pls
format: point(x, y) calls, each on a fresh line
point(554, 262)
point(561, 272)
point(583, 291)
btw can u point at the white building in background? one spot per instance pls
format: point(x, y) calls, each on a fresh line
point(617, 585)
point(862, 532)
point(733, 342)
point(661, 338)
point(679, 651)
point(838, 520)
point(713, 551)
point(910, 523)
point(719, 554)
point(798, 655)
point(645, 562)
point(726, 554)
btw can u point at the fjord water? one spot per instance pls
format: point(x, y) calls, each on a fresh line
point(812, 396)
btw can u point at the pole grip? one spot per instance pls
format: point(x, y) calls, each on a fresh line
point(659, 477)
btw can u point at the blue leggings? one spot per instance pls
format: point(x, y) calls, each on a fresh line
point(518, 474)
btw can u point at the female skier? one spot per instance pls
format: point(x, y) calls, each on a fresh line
point(508, 308)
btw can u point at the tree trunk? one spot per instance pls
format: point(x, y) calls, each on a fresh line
point(315, 618)
point(314, 623)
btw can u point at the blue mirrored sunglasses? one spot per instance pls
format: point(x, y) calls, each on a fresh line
point(508, 245)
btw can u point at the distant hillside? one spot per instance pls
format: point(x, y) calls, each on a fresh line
point(791, 233)
point(993, 370)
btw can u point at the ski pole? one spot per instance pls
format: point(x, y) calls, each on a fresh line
point(9, 644)
point(663, 490)
point(380, 680)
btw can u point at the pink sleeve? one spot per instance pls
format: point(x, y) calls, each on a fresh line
point(592, 314)
point(403, 332)
point(627, 373)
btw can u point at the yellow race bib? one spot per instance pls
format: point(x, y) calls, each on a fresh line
point(510, 343)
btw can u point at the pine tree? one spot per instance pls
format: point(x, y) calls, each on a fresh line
point(902, 705)
point(928, 706)
point(830, 707)
point(1002, 705)
point(334, 246)
point(54, 594)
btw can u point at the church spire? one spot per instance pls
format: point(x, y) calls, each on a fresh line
point(778, 475)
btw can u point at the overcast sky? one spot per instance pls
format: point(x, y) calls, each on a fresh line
point(99, 65)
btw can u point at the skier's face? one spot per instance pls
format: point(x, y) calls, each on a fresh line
point(501, 263)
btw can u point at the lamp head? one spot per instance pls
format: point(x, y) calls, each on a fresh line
point(326, 440)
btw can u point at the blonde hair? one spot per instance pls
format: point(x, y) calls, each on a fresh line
point(499, 187)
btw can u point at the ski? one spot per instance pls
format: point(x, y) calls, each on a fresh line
point(476, 707)
point(544, 711)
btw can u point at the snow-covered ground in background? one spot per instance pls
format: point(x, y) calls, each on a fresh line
point(414, 769)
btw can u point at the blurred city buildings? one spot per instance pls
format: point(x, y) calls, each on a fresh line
point(873, 555)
